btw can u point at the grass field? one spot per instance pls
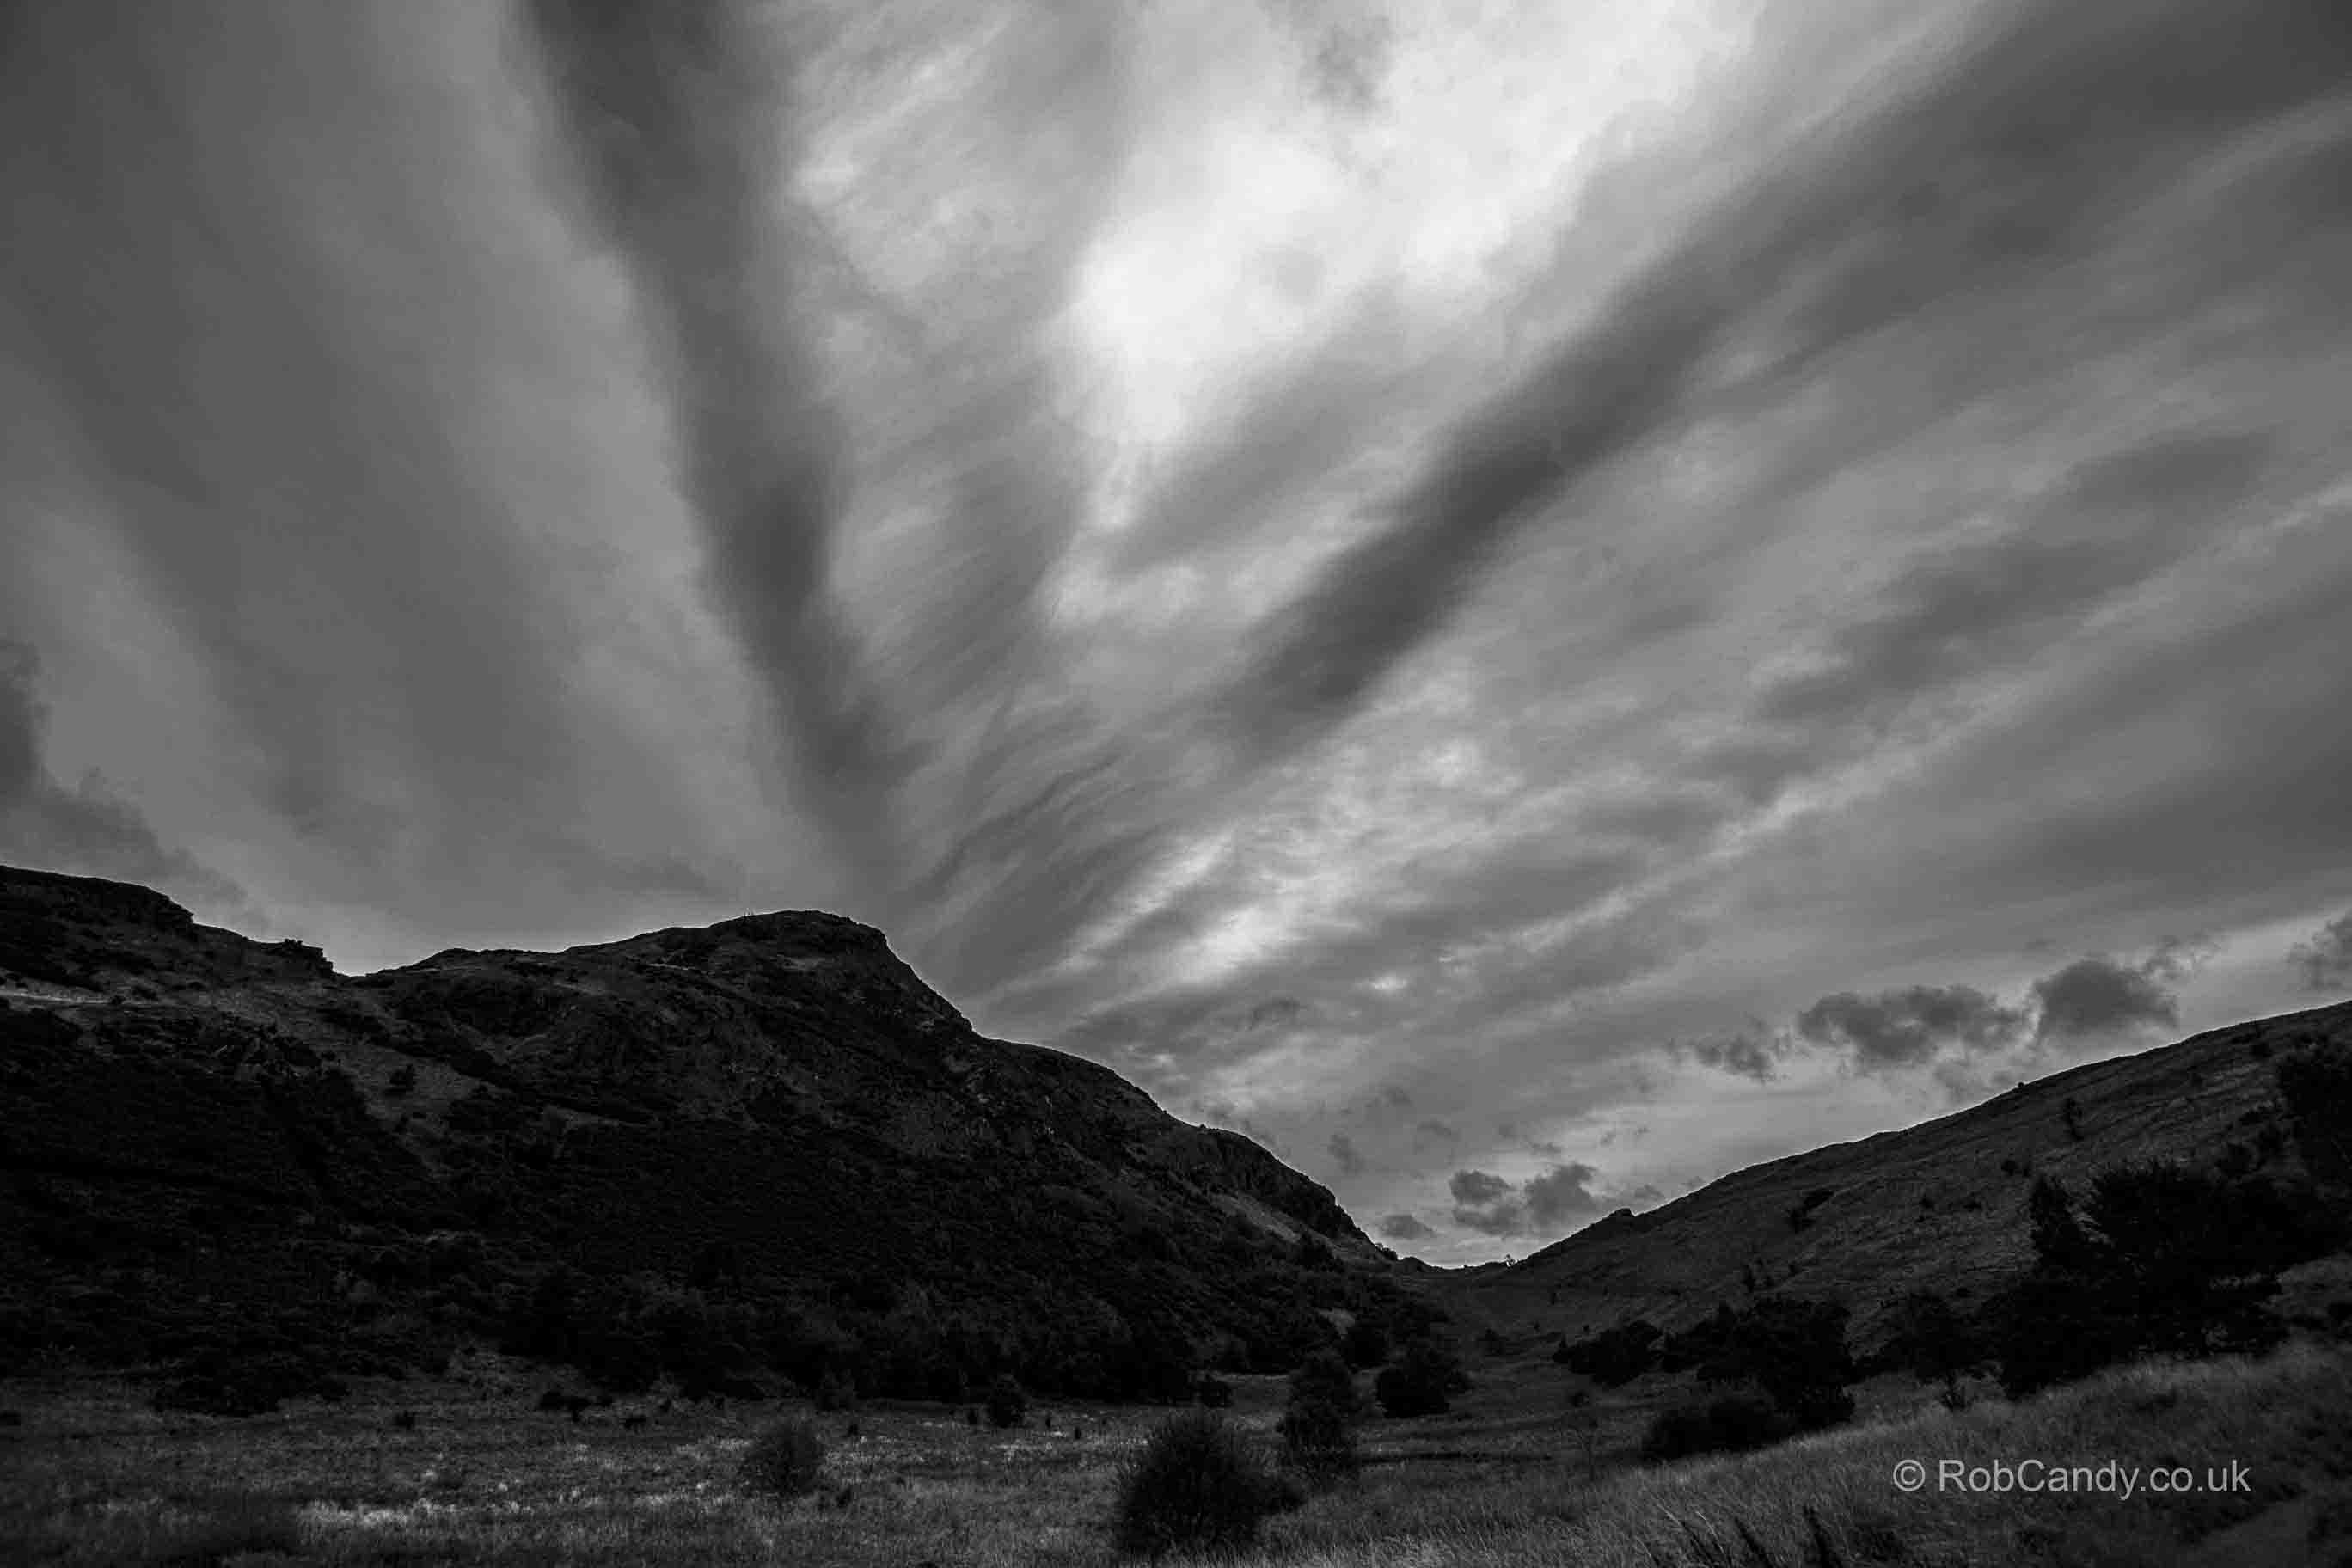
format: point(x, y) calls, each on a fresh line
point(91, 1476)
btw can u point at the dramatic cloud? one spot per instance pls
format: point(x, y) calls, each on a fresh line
point(1906, 1027)
point(2324, 961)
point(1403, 1227)
point(1364, 565)
point(2095, 996)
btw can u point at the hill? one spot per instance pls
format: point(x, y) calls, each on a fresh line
point(1940, 1205)
point(763, 1146)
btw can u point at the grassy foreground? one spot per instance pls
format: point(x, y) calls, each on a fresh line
point(92, 1477)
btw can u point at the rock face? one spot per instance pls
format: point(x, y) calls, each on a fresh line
point(1937, 1206)
point(232, 1126)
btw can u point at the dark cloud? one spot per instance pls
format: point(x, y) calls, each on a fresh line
point(1476, 1186)
point(1547, 1202)
point(1560, 1196)
point(1403, 1227)
point(1753, 1052)
point(2325, 961)
point(85, 828)
point(2096, 996)
point(1907, 1026)
point(1345, 1156)
point(672, 123)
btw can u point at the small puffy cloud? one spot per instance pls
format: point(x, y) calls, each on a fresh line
point(1432, 1130)
point(1550, 1201)
point(1560, 1195)
point(2325, 961)
point(1476, 1186)
point(1403, 1227)
point(2097, 996)
point(1908, 1026)
point(1345, 1154)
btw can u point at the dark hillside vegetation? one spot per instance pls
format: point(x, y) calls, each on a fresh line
point(749, 1156)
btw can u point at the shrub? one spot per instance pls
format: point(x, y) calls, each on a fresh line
point(2164, 1259)
point(1317, 1440)
point(783, 1461)
point(835, 1391)
point(1613, 1357)
point(1213, 1391)
point(1196, 1487)
point(552, 1400)
point(1418, 1382)
point(1008, 1405)
point(404, 1420)
point(1727, 1422)
point(1366, 1343)
point(402, 1080)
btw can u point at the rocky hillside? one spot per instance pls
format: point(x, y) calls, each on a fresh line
point(773, 1113)
point(1937, 1207)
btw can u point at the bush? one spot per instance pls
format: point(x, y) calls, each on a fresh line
point(1613, 1357)
point(1213, 1391)
point(1196, 1487)
point(1319, 1440)
point(1366, 1344)
point(1418, 1382)
point(1727, 1423)
point(2164, 1259)
point(834, 1391)
point(784, 1461)
point(1008, 1405)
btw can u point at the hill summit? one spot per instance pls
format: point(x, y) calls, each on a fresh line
point(759, 1147)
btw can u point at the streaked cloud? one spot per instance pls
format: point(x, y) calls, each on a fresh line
point(1386, 574)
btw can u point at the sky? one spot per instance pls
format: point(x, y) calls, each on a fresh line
point(1529, 604)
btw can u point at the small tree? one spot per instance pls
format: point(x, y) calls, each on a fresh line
point(1613, 1357)
point(1418, 1382)
point(403, 1079)
point(1196, 1487)
point(1366, 1343)
point(836, 1390)
point(2317, 1088)
point(1318, 1439)
point(784, 1461)
point(1934, 1342)
point(1008, 1404)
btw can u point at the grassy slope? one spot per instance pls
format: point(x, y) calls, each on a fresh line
point(1502, 1482)
point(1925, 1207)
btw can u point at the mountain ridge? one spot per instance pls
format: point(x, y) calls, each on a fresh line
point(779, 1092)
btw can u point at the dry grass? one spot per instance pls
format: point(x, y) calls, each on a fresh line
point(93, 1477)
